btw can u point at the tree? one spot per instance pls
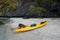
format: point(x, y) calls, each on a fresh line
point(8, 4)
point(36, 9)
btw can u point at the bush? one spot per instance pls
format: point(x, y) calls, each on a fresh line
point(36, 9)
point(9, 5)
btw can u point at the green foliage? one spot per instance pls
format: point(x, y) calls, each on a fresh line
point(9, 5)
point(0, 13)
point(45, 2)
point(51, 2)
point(36, 9)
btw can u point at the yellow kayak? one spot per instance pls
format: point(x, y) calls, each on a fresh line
point(30, 28)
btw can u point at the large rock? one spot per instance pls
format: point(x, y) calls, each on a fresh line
point(3, 20)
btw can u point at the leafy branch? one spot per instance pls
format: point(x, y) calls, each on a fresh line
point(10, 5)
point(36, 9)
